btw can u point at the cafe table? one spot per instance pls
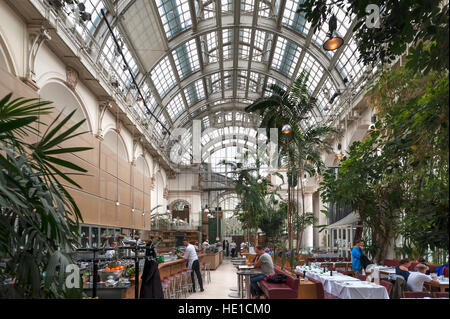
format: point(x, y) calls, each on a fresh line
point(244, 281)
point(443, 283)
point(345, 287)
point(236, 292)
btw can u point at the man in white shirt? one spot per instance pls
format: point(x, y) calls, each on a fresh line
point(192, 263)
point(417, 278)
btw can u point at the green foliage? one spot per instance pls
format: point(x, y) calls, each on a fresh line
point(425, 23)
point(300, 151)
point(37, 214)
point(397, 178)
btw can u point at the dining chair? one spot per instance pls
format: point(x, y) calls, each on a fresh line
point(362, 277)
point(439, 294)
point(387, 285)
point(416, 294)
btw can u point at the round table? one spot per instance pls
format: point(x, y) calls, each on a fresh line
point(244, 277)
point(236, 292)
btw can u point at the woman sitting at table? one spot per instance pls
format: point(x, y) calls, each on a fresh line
point(402, 268)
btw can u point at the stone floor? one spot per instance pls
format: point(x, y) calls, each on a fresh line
point(222, 279)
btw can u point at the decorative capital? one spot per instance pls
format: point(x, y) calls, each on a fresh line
point(166, 193)
point(99, 135)
point(37, 34)
point(71, 77)
point(152, 182)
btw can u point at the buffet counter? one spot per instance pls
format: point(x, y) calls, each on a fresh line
point(215, 259)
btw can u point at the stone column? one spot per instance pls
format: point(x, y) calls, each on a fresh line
point(308, 233)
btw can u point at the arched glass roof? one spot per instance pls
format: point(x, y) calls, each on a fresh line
point(208, 59)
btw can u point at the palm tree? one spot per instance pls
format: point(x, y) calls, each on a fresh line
point(300, 151)
point(38, 217)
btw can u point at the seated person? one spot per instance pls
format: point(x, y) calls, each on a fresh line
point(422, 261)
point(440, 269)
point(417, 278)
point(264, 261)
point(402, 268)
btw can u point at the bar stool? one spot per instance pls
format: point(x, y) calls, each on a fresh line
point(184, 283)
point(208, 271)
point(203, 271)
point(188, 280)
point(172, 290)
point(178, 285)
point(166, 287)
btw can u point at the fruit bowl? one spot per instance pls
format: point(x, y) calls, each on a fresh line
point(104, 274)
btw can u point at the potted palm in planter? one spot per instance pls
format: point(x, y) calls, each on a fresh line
point(39, 218)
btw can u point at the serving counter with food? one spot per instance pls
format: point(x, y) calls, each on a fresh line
point(118, 268)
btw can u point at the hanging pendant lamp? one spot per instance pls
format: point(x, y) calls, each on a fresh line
point(334, 41)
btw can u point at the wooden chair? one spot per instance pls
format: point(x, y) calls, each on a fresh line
point(429, 287)
point(387, 285)
point(362, 277)
point(416, 294)
point(439, 294)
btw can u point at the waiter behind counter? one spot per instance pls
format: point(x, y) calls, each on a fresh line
point(190, 255)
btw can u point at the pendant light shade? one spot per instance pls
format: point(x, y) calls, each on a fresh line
point(286, 129)
point(259, 181)
point(334, 41)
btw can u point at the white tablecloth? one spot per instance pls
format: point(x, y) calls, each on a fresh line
point(346, 287)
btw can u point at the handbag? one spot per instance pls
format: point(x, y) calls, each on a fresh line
point(364, 260)
point(276, 278)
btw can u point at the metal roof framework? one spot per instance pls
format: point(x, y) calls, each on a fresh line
point(208, 59)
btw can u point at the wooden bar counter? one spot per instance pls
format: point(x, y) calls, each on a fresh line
point(165, 270)
point(172, 267)
point(215, 259)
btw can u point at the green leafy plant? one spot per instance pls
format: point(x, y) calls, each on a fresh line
point(300, 151)
point(38, 216)
point(424, 23)
point(397, 178)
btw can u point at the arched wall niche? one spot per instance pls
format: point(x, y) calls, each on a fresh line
point(65, 100)
point(6, 60)
point(115, 142)
point(142, 166)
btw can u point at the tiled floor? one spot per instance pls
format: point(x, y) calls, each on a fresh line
point(222, 279)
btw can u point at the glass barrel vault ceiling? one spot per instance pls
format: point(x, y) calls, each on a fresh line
point(208, 59)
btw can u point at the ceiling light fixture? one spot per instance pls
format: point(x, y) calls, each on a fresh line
point(334, 41)
point(286, 129)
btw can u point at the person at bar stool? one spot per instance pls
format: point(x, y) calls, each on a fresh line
point(192, 263)
point(357, 252)
point(417, 278)
point(263, 261)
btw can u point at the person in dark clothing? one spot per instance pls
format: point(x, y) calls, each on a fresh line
point(402, 268)
point(227, 248)
point(151, 287)
point(233, 248)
